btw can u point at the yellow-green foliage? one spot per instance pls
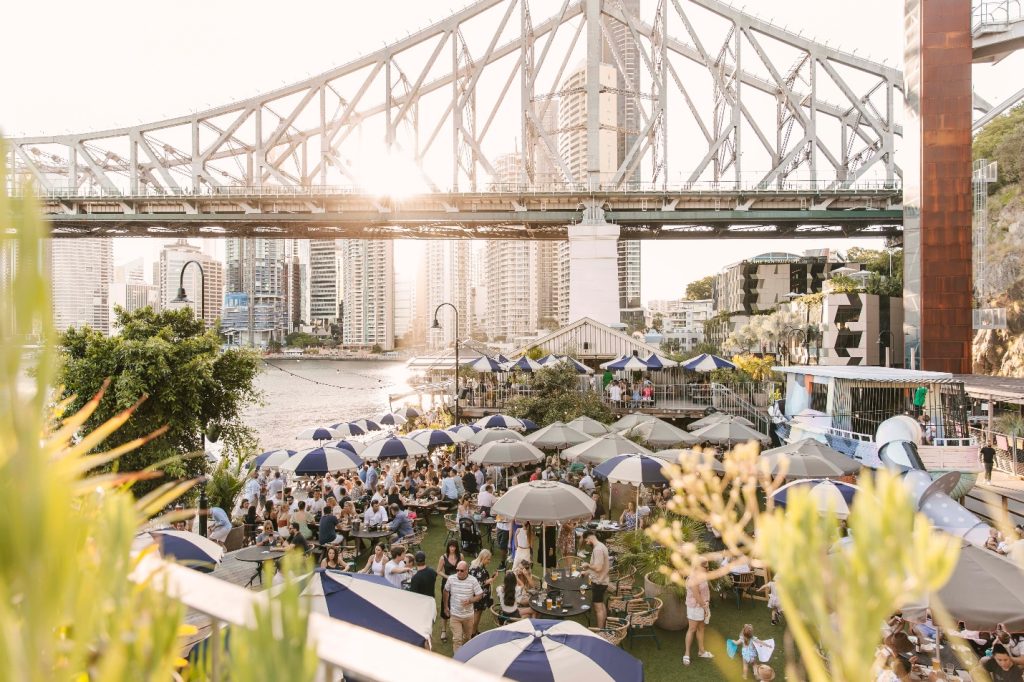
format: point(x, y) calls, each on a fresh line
point(759, 368)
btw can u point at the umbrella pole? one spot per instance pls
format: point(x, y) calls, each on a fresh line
point(544, 549)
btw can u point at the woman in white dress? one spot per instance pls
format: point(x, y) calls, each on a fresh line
point(523, 544)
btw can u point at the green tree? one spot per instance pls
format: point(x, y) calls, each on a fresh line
point(191, 386)
point(705, 347)
point(700, 289)
point(1002, 140)
point(557, 396)
point(302, 340)
point(535, 353)
point(376, 350)
point(658, 322)
point(671, 346)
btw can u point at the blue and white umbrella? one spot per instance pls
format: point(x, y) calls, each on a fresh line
point(499, 421)
point(634, 469)
point(394, 447)
point(627, 363)
point(366, 425)
point(485, 364)
point(829, 496)
point(392, 419)
point(572, 362)
point(410, 412)
point(534, 650)
point(525, 364)
point(707, 363)
point(432, 438)
point(353, 446)
point(501, 359)
point(319, 461)
point(321, 433)
point(188, 549)
point(528, 424)
point(464, 431)
point(348, 429)
point(371, 602)
point(656, 362)
point(549, 359)
point(270, 459)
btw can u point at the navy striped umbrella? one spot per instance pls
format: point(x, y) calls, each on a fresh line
point(464, 431)
point(829, 496)
point(392, 419)
point(499, 421)
point(707, 363)
point(526, 364)
point(353, 446)
point(535, 650)
point(320, 433)
point(189, 549)
point(393, 448)
point(528, 424)
point(410, 412)
point(636, 469)
point(434, 437)
point(348, 429)
point(366, 425)
point(319, 461)
point(485, 364)
point(269, 459)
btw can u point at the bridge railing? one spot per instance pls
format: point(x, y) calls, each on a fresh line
point(995, 15)
point(516, 189)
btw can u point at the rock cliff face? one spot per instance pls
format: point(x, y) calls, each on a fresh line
point(1001, 352)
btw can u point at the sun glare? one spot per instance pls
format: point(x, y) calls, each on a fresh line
point(391, 175)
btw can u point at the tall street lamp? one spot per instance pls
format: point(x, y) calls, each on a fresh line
point(792, 296)
point(204, 503)
point(437, 325)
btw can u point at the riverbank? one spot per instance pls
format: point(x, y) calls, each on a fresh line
point(373, 357)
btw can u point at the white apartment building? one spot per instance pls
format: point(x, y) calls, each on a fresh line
point(173, 258)
point(323, 282)
point(368, 293)
point(404, 306)
point(682, 319)
point(448, 279)
point(81, 272)
point(132, 296)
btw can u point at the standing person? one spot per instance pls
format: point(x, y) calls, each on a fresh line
point(395, 570)
point(447, 565)
point(546, 553)
point(988, 458)
point(567, 539)
point(469, 483)
point(523, 544)
point(275, 486)
point(698, 610)
point(502, 526)
point(745, 643)
point(463, 591)
point(425, 578)
point(372, 476)
point(774, 603)
point(597, 570)
point(920, 398)
point(478, 569)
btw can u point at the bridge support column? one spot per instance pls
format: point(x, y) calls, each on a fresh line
point(938, 290)
point(594, 271)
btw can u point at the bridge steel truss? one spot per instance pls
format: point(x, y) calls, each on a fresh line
point(739, 121)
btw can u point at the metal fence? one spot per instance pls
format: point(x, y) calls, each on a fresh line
point(1009, 454)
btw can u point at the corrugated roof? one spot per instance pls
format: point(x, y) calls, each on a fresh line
point(602, 342)
point(868, 373)
point(1001, 389)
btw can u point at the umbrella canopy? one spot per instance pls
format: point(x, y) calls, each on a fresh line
point(371, 602)
point(660, 434)
point(507, 452)
point(707, 363)
point(501, 359)
point(393, 447)
point(544, 502)
point(189, 549)
point(348, 429)
point(557, 436)
point(727, 432)
point(270, 459)
point(699, 458)
point(809, 458)
point(321, 433)
point(597, 450)
point(499, 421)
point(433, 437)
point(485, 364)
point(834, 496)
point(410, 412)
point(528, 424)
point(631, 420)
point(319, 461)
point(627, 363)
point(464, 431)
point(716, 417)
point(656, 362)
point(525, 364)
point(985, 589)
point(557, 650)
point(556, 360)
point(589, 426)
point(489, 435)
point(392, 419)
point(634, 469)
point(352, 446)
point(367, 425)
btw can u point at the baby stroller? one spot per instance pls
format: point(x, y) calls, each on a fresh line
point(469, 536)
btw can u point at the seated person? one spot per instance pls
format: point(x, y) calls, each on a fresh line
point(328, 530)
point(486, 499)
point(524, 575)
point(512, 598)
point(295, 539)
point(1000, 666)
point(401, 525)
point(375, 514)
point(269, 536)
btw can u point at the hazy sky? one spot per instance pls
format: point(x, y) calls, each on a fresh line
point(71, 65)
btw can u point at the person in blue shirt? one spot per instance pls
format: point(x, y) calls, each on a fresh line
point(220, 525)
point(401, 524)
point(372, 476)
point(449, 489)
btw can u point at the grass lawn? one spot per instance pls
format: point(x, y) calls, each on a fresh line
point(662, 663)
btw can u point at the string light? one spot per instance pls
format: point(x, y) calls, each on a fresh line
point(380, 382)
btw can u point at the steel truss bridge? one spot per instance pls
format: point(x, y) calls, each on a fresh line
point(492, 132)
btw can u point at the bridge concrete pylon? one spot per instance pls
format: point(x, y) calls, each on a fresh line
point(593, 267)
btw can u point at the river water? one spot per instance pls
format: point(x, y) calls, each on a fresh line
point(301, 393)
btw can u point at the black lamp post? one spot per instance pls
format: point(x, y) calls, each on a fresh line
point(807, 323)
point(183, 296)
point(437, 325)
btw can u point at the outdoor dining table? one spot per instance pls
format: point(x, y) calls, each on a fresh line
point(258, 555)
point(488, 522)
point(566, 580)
point(365, 533)
point(423, 508)
point(573, 604)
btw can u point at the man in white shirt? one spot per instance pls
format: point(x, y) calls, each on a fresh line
point(275, 486)
point(375, 515)
point(316, 504)
point(395, 571)
point(478, 471)
point(486, 499)
point(252, 488)
point(587, 484)
point(614, 392)
point(463, 590)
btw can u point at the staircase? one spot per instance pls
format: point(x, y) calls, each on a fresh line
point(740, 401)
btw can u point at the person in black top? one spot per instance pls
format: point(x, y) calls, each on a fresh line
point(424, 579)
point(328, 530)
point(469, 481)
point(988, 458)
point(296, 540)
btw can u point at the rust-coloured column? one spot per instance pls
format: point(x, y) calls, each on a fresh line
point(936, 160)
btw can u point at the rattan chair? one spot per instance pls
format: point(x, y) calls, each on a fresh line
point(741, 583)
point(614, 630)
point(641, 614)
point(415, 541)
point(501, 618)
point(452, 524)
point(618, 602)
point(621, 581)
point(349, 553)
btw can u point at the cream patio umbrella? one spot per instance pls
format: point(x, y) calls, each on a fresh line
point(589, 426)
point(557, 436)
point(716, 417)
point(489, 435)
point(727, 432)
point(809, 458)
point(661, 434)
point(631, 420)
point(604, 447)
point(507, 452)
